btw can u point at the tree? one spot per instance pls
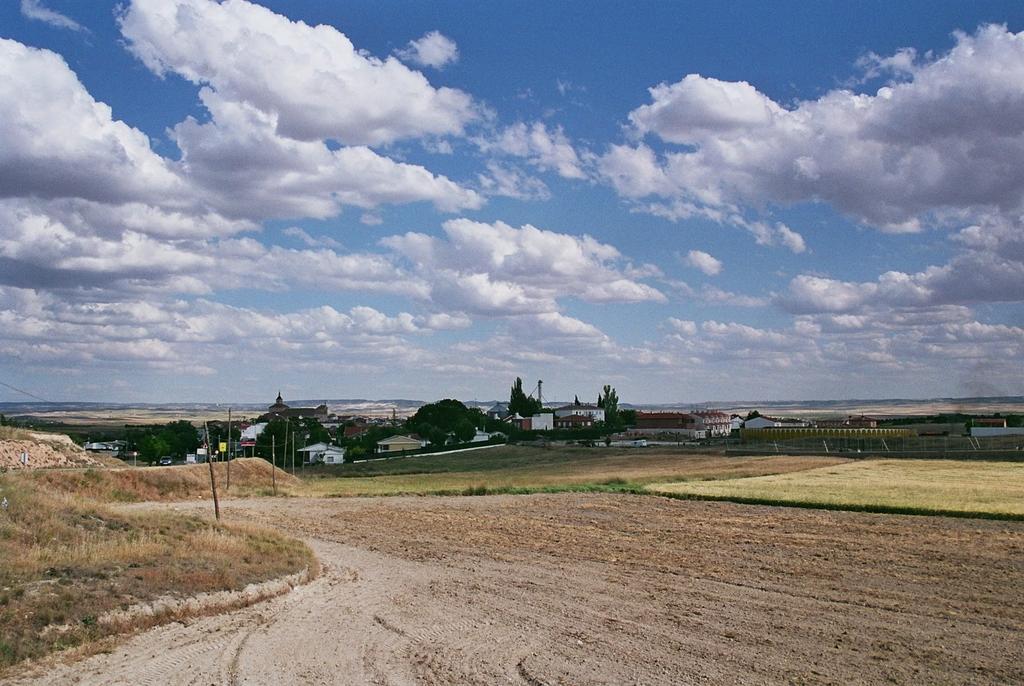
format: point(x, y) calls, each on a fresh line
point(753, 414)
point(610, 402)
point(520, 403)
point(152, 448)
point(464, 430)
point(576, 401)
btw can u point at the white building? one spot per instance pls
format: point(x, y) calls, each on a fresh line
point(593, 411)
point(334, 455)
point(774, 423)
point(252, 432)
point(716, 424)
point(323, 452)
point(545, 421)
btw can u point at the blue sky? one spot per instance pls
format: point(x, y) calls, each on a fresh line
point(208, 201)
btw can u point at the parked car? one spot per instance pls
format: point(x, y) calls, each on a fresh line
point(166, 460)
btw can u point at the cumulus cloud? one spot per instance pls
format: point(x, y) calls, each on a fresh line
point(498, 269)
point(34, 9)
point(970, 278)
point(942, 142)
point(61, 143)
point(546, 149)
point(510, 182)
point(433, 49)
point(170, 337)
point(698, 259)
point(311, 80)
point(253, 171)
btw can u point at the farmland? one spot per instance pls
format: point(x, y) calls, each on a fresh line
point(520, 469)
point(973, 488)
point(586, 576)
point(605, 588)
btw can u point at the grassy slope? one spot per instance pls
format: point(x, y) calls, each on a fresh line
point(973, 488)
point(513, 468)
point(249, 476)
point(66, 558)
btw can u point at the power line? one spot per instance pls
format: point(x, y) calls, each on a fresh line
point(13, 388)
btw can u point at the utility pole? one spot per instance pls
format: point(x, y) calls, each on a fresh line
point(273, 462)
point(229, 449)
point(213, 481)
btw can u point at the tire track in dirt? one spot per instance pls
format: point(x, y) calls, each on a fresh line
point(590, 589)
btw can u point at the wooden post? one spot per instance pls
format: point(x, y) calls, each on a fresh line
point(213, 481)
point(273, 462)
point(229, 450)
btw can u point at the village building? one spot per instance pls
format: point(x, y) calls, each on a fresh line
point(279, 410)
point(681, 424)
point(498, 411)
point(851, 422)
point(763, 422)
point(400, 444)
point(717, 424)
point(323, 453)
point(595, 413)
point(574, 421)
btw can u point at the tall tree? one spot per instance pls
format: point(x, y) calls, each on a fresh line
point(519, 402)
point(610, 403)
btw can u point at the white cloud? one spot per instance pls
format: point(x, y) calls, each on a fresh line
point(433, 49)
point(685, 327)
point(311, 80)
point(711, 294)
point(496, 268)
point(944, 142)
point(61, 143)
point(253, 171)
point(970, 278)
point(548, 150)
point(34, 9)
point(309, 240)
point(698, 259)
point(510, 182)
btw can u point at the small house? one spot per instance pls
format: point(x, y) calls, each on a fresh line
point(400, 444)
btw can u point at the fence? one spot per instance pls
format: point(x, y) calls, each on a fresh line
point(968, 447)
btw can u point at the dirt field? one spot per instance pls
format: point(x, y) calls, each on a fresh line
point(606, 589)
point(510, 467)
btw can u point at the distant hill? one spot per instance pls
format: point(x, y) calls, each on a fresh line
point(145, 413)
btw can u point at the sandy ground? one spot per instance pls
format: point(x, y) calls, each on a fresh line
point(603, 589)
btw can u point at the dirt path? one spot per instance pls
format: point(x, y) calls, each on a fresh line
point(600, 589)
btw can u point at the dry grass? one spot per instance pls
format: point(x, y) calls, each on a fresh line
point(553, 469)
point(925, 486)
point(10, 433)
point(65, 560)
point(249, 476)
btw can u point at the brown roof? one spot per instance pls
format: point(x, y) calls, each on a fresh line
point(662, 415)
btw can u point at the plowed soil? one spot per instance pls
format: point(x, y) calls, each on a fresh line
point(606, 589)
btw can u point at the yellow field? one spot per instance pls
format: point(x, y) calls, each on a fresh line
point(566, 469)
point(912, 485)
